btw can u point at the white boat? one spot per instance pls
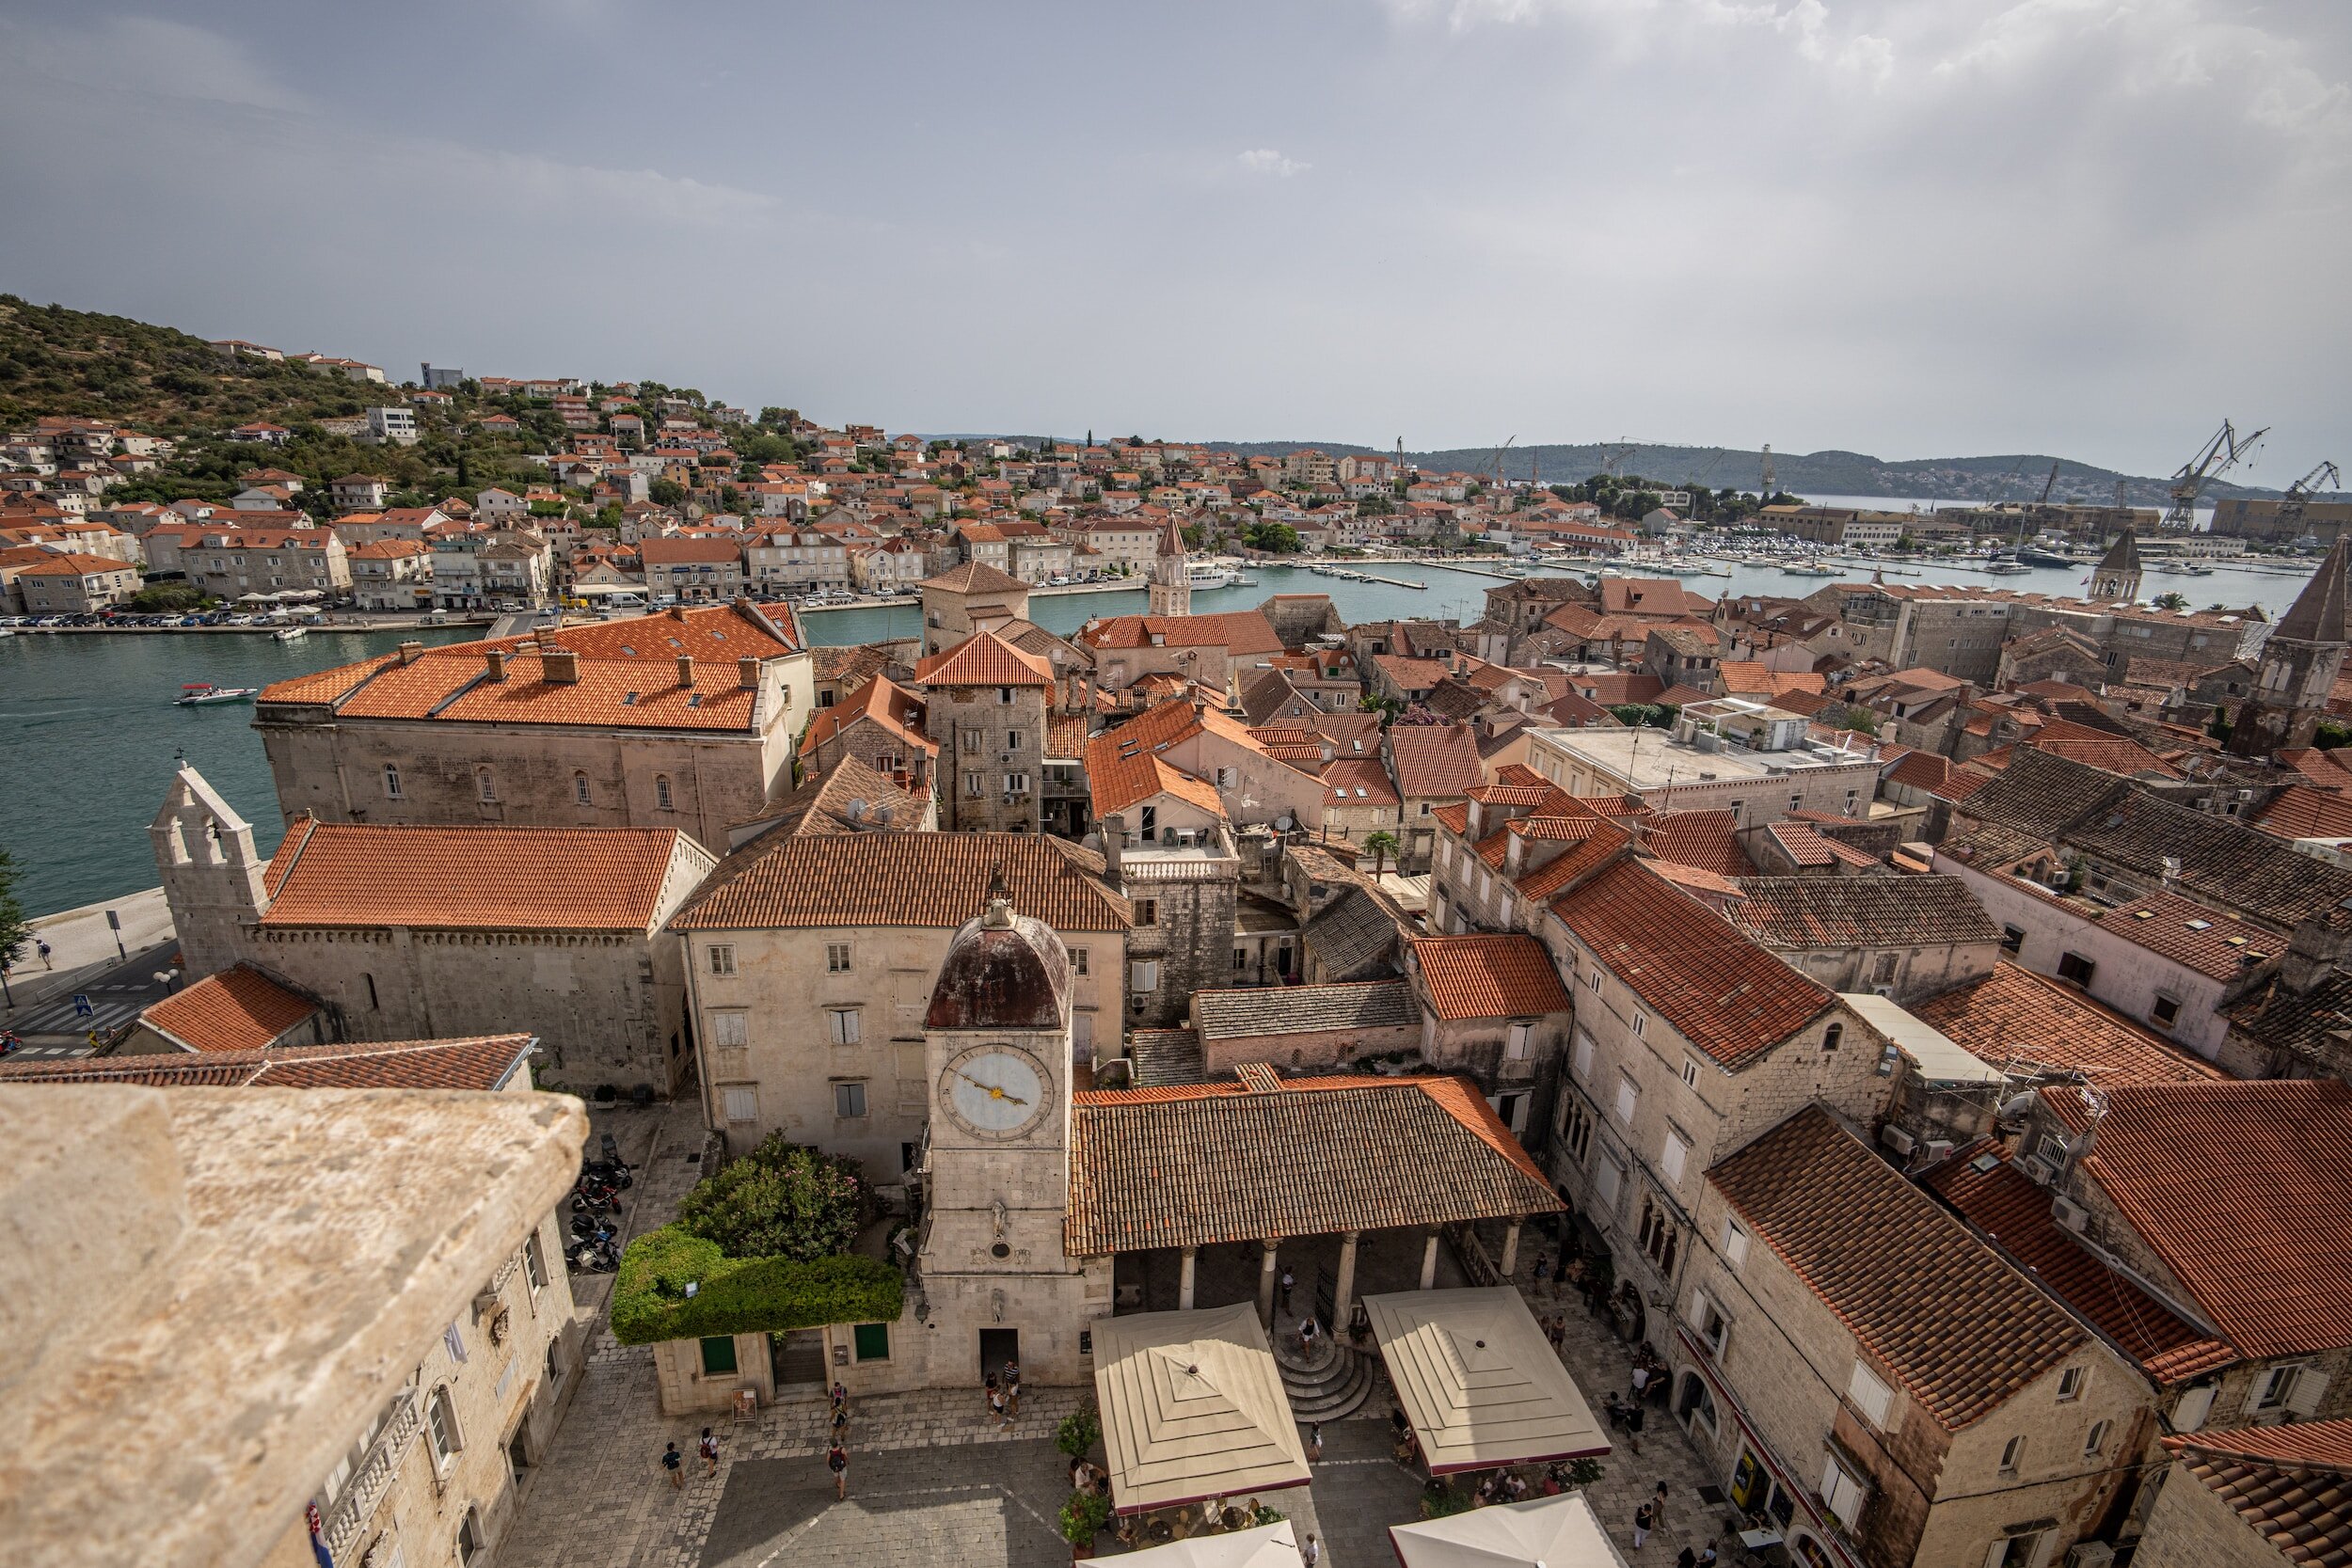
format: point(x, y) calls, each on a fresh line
point(289, 634)
point(1210, 574)
point(203, 694)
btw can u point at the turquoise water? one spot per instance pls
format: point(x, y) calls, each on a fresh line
point(91, 729)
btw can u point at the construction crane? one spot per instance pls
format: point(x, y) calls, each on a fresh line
point(1616, 455)
point(2289, 521)
point(1494, 464)
point(2218, 455)
point(2046, 485)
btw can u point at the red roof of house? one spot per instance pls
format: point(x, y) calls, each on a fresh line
point(1489, 977)
point(479, 1063)
point(2014, 1018)
point(1434, 760)
point(1707, 840)
point(1725, 994)
point(482, 876)
point(237, 1010)
point(984, 659)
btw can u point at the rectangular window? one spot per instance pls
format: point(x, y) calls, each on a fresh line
point(2069, 1384)
point(2076, 969)
point(1885, 973)
point(1146, 912)
point(740, 1104)
point(1843, 1492)
point(1641, 1022)
point(1691, 1071)
point(719, 1355)
point(534, 1262)
point(970, 743)
point(1628, 1094)
point(1012, 740)
point(723, 958)
point(392, 782)
point(836, 958)
point(872, 1341)
point(972, 785)
point(1672, 1156)
point(2165, 1012)
point(1735, 1243)
point(1711, 1324)
point(842, 1026)
point(1583, 1060)
point(728, 1031)
point(1515, 1047)
point(1143, 975)
point(849, 1100)
point(1016, 783)
point(1870, 1395)
point(1077, 961)
point(2012, 940)
point(1241, 958)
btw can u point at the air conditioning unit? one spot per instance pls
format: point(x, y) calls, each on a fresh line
point(1897, 1139)
point(2090, 1554)
point(1939, 1149)
point(2069, 1214)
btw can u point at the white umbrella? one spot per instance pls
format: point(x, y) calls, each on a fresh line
point(1548, 1532)
point(1267, 1546)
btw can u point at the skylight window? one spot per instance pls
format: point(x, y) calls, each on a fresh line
point(628, 699)
point(2201, 925)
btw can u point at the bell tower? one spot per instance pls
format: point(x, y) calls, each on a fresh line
point(995, 1281)
point(2300, 665)
point(2117, 579)
point(1171, 579)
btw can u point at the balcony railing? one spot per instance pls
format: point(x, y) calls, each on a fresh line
point(355, 1505)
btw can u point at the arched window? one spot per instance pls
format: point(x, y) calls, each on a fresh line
point(661, 791)
point(1695, 1404)
point(580, 789)
point(1831, 1036)
point(391, 782)
point(486, 783)
point(441, 1420)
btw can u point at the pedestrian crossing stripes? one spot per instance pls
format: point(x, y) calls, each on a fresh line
point(59, 1017)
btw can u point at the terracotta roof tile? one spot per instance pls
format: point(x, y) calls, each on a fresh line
point(2292, 1484)
point(1841, 911)
point(902, 879)
point(2246, 1247)
point(1709, 840)
point(1198, 1165)
point(974, 577)
point(1726, 995)
point(1432, 761)
point(2299, 810)
point(2016, 1020)
point(1244, 631)
point(479, 1063)
point(984, 660)
point(1957, 1325)
point(238, 1009)
point(1251, 1013)
point(478, 878)
point(1999, 1200)
point(1489, 977)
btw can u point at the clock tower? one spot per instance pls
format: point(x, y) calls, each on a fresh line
point(995, 1282)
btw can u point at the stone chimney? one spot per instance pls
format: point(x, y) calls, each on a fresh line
point(496, 659)
point(747, 672)
point(559, 667)
point(1114, 842)
point(411, 651)
point(678, 612)
point(686, 669)
point(2312, 952)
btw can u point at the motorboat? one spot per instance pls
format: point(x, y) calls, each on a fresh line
point(204, 694)
point(289, 634)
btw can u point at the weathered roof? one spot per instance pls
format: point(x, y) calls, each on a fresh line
point(1203, 1163)
point(1499, 975)
point(1002, 971)
point(2025, 1024)
point(1723, 993)
point(1998, 1200)
point(1841, 911)
point(902, 879)
point(475, 1062)
point(974, 577)
point(1956, 1324)
point(2292, 1484)
point(1166, 1056)
point(1432, 761)
point(238, 1009)
point(478, 876)
point(2319, 613)
point(1275, 1010)
point(984, 660)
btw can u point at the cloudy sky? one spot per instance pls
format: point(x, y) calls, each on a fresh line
point(2089, 226)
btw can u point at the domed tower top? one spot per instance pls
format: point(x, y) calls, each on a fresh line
point(1003, 971)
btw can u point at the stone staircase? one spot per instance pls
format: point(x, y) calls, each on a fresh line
point(1331, 1383)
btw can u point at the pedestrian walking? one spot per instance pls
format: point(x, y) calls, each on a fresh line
point(1686, 1558)
point(996, 1408)
point(1543, 1269)
point(1310, 1552)
point(840, 1419)
point(840, 1397)
point(1645, 1520)
point(43, 948)
point(988, 1389)
point(1013, 1391)
point(708, 1449)
point(675, 1463)
point(1307, 1331)
point(837, 1461)
point(1314, 1442)
point(1633, 1427)
point(1658, 1505)
point(1289, 1280)
point(1640, 1379)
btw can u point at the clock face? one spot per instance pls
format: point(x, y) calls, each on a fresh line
point(995, 1090)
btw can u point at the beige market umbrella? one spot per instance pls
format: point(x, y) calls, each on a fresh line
point(1548, 1532)
point(1267, 1546)
point(1192, 1408)
point(1478, 1380)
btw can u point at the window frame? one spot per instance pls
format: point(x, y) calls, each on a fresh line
point(445, 1435)
point(721, 959)
point(839, 959)
point(845, 1025)
point(742, 1096)
point(1871, 1395)
point(850, 1100)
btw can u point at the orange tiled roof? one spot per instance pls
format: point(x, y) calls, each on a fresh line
point(476, 1062)
point(1707, 840)
point(475, 877)
point(902, 879)
point(454, 683)
point(1726, 995)
point(1489, 977)
point(1244, 631)
point(881, 700)
point(1957, 1325)
point(974, 577)
point(237, 1010)
point(2014, 1017)
point(2291, 1485)
point(984, 660)
point(1124, 768)
point(2248, 1248)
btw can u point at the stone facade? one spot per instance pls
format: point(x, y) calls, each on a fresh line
point(1184, 898)
point(2193, 1527)
point(992, 756)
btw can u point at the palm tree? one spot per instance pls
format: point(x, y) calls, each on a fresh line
point(1382, 845)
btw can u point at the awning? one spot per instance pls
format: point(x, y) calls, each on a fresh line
point(1192, 1408)
point(1479, 1380)
point(1267, 1546)
point(1546, 1532)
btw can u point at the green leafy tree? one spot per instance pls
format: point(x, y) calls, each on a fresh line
point(1083, 1517)
point(781, 1200)
point(1273, 538)
point(666, 491)
point(1382, 845)
point(1078, 1433)
point(16, 932)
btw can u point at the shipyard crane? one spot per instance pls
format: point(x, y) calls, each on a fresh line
point(2289, 521)
point(1494, 464)
point(2215, 458)
point(2046, 485)
point(1611, 456)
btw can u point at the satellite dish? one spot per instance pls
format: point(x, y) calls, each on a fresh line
point(1281, 824)
point(857, 811)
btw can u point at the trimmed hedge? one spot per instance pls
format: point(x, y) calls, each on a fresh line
point(743, 1296)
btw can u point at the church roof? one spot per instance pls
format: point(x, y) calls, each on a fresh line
point(1003, 971)
point(2123, 555)
point(2318, 614)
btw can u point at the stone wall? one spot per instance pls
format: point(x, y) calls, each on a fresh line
point(2192, 1527)
point(983, 740)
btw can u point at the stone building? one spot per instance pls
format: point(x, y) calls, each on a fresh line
point(1493, 1009)
point(412, 933)
point(1183, 887)
point(1171, 584)
point(812, 957)
point(1905, 937)
point(213, 1335)
point(1829, 1357)
point(2300, 665)
point(684, 720)
point(2117, 577)
point(882, 724)
point(966, 600)
point(2271, 1498)
point(985, 712)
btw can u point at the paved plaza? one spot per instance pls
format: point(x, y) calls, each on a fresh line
point(933, 1479)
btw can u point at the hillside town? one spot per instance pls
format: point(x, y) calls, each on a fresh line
point(1856, 1080)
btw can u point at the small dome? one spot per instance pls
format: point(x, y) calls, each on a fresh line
point(1003, 971)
